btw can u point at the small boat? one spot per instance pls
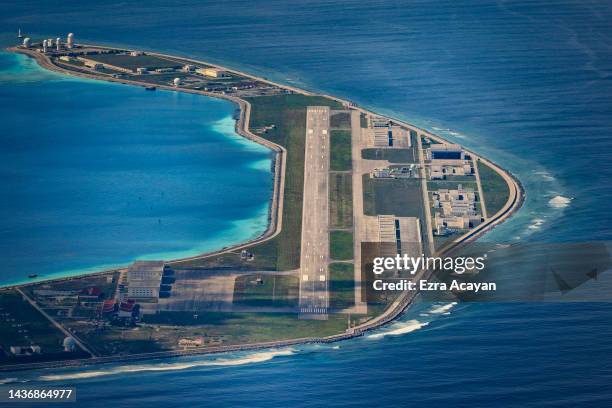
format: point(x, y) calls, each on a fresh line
point(150, 88)
point(33, 275)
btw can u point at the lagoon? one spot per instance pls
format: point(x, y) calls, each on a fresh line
point(96, 175)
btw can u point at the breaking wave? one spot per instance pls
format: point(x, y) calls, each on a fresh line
point(559, 202)
point(443, 308)
point(258, 357)
point(399, 329)
point(546, 176)
point(536, 224)
point(12, 380)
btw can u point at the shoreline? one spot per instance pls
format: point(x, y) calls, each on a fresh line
point(393, 311)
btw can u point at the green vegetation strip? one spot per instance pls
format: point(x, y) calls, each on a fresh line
point(399, 197)
point(494, 188)
point(341, 245)
point(393, 155)
point(341, 158)
point(341, 285)
point(22, 325)
point(340, 120)
point(363, 121)
point(340, 200)
point(452, 184)
point(238, 328)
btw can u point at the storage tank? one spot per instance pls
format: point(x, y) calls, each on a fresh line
point(27, 42)
point(69, 344)
point(70, 40)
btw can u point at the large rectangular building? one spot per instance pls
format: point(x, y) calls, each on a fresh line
point(211, 72)
point(144, 279)
point(445, 151)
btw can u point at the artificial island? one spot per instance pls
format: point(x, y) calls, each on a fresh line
point(344, 177)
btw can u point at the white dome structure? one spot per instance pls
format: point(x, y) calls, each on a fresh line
point(69, 344)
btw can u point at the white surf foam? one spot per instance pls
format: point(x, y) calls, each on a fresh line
point(536, 224)
point(399, 329)
point(457, 135)
point(11, 380)
point(258, 357)
point(559, 202)
point(546, 176)
point(443, 309)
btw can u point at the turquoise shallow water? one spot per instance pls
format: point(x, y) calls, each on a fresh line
point(97, 174)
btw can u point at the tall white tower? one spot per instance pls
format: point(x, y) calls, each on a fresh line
point(58, 43)
point(44, 46)
point(50, 42)
point(70, 40)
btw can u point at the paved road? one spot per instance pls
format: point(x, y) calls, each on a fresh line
point(314, 296)
point(359, 141)
point(56, 324)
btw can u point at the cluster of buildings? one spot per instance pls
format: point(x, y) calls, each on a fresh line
point(88, 298)
point(49, 44)
point(456, 210)
point(165, 70)
point(137, 292)
point(448, 160)
point(139, 63)
point(123, 62)
point(387, 134)
point(147, 282)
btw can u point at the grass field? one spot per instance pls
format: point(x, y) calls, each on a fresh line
point(341, 158)
point(340, 120)
point(22, 325)
point(400, 197)
point(363, 121)
point(162, 331)
point(271, 290)
point(236, 328)
point(340, 200)
point(392, 155)
point(341, 245)
point(494, 189)
point(452, 184)
point(341, 285)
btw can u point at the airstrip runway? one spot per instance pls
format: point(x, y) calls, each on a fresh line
point(314, 295)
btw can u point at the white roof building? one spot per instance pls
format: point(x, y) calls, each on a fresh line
point(144, 279)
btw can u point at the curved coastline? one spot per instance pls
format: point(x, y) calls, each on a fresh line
point(393, 311)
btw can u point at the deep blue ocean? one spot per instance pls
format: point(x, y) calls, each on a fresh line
point(526, 83)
